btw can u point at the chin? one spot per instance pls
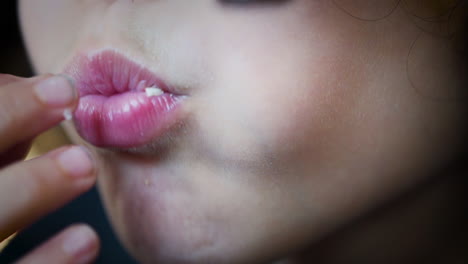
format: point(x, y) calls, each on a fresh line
point(160, 218)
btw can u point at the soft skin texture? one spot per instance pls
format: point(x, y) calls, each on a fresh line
point(301, 117)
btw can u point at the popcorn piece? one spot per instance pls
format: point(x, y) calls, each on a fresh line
point(67, 114)
point(153, 91)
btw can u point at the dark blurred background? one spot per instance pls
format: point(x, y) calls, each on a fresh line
point(13, 58)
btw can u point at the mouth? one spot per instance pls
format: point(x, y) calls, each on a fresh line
point(122, 104)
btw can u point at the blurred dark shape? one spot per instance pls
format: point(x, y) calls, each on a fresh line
point(13, 58)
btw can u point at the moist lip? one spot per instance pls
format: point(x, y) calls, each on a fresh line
point(115, 109)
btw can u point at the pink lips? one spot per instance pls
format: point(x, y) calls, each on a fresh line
point(114, 110)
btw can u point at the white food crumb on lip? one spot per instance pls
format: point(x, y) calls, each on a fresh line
point(67, 114)
point(153, 91)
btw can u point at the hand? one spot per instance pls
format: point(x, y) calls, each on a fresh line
point(31, 189)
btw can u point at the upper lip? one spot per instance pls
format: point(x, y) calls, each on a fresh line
point(133, 76)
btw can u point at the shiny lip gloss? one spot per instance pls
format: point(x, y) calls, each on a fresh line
point(115, 108)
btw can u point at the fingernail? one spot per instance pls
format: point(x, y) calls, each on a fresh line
point(56, 91)
point(80, 244)
point(76, 162)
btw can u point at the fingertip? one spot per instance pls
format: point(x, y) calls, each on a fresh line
point(77, 162)
point(37, 104)
point(77, 244)
point(56, 91)
point(81, 243)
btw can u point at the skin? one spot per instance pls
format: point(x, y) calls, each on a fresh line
point(303, 119)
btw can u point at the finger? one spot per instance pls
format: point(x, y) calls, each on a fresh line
point(77, 244)
point(31, 189)
point(30, 106)
point(8, 78)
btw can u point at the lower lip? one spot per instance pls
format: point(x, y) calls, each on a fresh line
point(126, 120)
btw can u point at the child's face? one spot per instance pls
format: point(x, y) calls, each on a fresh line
point(299, 117)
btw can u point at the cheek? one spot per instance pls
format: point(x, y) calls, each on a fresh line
point(270, 115)
point(275, 96)
point(267, 109)
point(46, 25)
